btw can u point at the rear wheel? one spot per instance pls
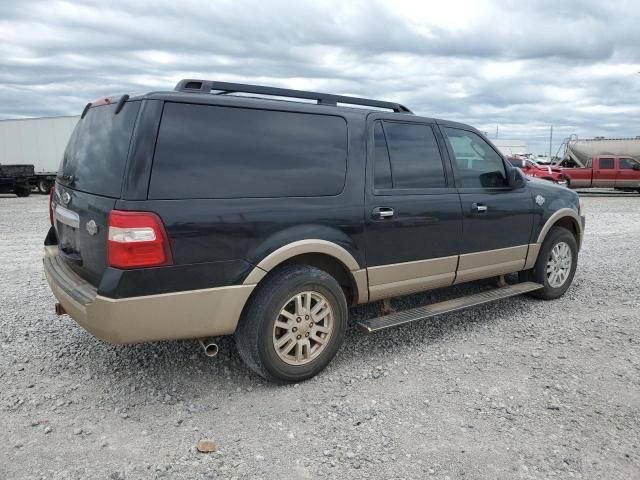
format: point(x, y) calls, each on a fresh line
point(556, 264)
point(23, 191)
point(44, 186)
point(293, 325)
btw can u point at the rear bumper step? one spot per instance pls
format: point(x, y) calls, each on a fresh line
point(428, 311)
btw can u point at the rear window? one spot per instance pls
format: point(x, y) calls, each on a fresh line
point(606, 163)
point(97, 150)
point(208, 151)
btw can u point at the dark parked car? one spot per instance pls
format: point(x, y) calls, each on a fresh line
point(17, 179)
point(225, 209)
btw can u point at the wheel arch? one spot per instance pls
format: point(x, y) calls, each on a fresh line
point(325, 255)
point(566, 218)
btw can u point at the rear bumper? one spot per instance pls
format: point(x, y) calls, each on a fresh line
point(168, 316)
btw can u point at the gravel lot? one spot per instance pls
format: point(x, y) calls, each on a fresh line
point(519, 389)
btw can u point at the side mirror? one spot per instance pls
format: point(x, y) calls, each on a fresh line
point(636, 166)
point(515, 178)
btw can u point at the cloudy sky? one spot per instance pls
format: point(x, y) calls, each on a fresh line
point(521, 65)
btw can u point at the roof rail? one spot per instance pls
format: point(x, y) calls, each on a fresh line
point(206, 86)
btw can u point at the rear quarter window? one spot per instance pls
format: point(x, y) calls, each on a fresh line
point(208, 151)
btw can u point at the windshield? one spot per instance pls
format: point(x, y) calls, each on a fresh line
point(97, 151)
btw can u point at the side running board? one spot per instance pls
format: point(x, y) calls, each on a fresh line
point(428, 311)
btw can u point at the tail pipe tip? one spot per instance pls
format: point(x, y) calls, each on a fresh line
point(209, 348)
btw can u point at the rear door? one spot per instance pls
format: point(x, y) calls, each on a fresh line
point(412, 211)
point(628, 174)
point(88, 184)
point(604, 172)
point(496, 219)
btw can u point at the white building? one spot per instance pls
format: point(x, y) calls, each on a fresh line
point(511, 147)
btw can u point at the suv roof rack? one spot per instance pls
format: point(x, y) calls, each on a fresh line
point(206, 86)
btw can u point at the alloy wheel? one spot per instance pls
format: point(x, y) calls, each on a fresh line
point(303, 328)
point(559, 265)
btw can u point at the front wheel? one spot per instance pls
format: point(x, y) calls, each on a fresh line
point(556, 264)
point(293, 325)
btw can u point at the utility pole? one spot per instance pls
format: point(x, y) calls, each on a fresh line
point(496, 131)
point(550, 141)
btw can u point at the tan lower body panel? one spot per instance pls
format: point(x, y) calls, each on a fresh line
point(475, 266)
point(532, 255)
point(628, 183)
point(577, 183)
point(410, 277)
point(189, 314)
point(406, 287)
point(360, 279)
point(608, 183)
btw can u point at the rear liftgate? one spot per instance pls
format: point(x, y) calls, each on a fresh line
point(428, 311)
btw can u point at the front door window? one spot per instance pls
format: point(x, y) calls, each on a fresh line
point(476, 164)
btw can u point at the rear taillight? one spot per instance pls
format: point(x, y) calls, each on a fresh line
point(137, 239)
point(51, 204)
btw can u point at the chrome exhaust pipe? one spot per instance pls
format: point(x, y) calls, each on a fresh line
point(209, 348)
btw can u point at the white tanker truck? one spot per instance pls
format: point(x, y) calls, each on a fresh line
point(580, 152)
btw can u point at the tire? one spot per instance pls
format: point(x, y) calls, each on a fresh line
point(553, 287)
point(257, 334)
point(44, 186)
point(23, 191)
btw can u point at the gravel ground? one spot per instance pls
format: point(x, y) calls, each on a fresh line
point(518, 389)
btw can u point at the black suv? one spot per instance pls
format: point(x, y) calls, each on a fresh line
point(263, 213)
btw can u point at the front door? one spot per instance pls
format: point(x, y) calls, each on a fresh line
point(412, 210)
point(628, 175)
point(496, 220)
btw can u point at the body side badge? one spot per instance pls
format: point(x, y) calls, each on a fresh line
point(540, 200)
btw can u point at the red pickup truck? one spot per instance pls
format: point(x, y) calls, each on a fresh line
point(609, 171)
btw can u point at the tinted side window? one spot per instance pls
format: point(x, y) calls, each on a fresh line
point(415, 157)
point(208, 151)
point(606, 163)
point(627, 163)
point(382, 165)
point(476, 164)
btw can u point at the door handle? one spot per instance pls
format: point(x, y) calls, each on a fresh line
point(382, 212)
point(479, 207)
